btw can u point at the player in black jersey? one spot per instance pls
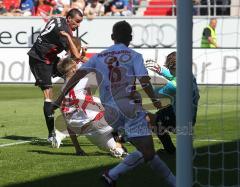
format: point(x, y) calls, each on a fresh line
point(43, 57)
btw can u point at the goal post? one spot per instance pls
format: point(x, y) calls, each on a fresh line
point(184, 94)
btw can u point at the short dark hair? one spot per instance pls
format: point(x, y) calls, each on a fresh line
point(72, 12)
point(122, 32)
point(171, 60)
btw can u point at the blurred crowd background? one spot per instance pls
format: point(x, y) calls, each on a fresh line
point(93, 8)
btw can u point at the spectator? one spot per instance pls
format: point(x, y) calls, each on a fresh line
point(209, 38)
point(27, 7)
point(51, 2)
point(120, 8)
point(107, 6)
point(43, 9)
point(93, 9)
point(78, 4)
point(60, 6)
point(134, 6)
point(10, 5)
point(15, 12)
point(66, 2)
point(12, 8)
point(3, 10)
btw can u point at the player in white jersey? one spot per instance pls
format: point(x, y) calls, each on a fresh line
point(120, 67)
point(84, 113)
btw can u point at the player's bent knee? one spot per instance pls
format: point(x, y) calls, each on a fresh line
point(148, 155)
point(45, 87)
point(134, 159)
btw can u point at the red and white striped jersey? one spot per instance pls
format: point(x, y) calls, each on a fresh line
point(80, 105)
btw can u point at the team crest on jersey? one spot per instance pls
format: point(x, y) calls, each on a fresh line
point(109, 60)
point(123, 58)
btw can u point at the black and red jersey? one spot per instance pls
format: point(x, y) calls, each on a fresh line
point(49, 42)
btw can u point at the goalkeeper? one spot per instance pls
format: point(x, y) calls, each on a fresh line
point(166, 118)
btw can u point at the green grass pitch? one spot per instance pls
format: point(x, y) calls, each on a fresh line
point(36, 164)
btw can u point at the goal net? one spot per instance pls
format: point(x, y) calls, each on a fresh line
point(216, 139)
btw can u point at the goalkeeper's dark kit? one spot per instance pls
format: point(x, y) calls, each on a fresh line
point(166, 122)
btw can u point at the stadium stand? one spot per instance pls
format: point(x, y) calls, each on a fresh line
point(11, 4)
point(160, 8)
point(135, 7)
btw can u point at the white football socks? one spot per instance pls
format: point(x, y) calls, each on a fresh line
point(136, 158)
point(111, 143)
point(130, 162)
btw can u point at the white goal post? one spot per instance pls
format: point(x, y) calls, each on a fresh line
point(184, 92)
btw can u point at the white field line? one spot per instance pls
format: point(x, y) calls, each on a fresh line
point(211, 140)
point(14, 143)
point(218, 105)
point(155, 138)
point(202, 140)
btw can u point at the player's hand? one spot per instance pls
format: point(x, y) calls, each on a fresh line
point(83, 57)
point(152, 65)
point(84, 51)
point(157, 103)
point(63, 33)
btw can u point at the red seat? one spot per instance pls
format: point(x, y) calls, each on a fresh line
point(11, 3)
point(152, 10)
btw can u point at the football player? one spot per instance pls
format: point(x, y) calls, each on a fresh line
point(166, 118)
point(119, 67)
point(84, 113)
point(43, 58)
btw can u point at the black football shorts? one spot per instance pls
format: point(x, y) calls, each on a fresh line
point(42, 73)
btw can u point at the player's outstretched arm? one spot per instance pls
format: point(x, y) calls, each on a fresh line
point(73, 49)
point(71, 83)
point(78, 149)
point(148, 89)
point(153, 66)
